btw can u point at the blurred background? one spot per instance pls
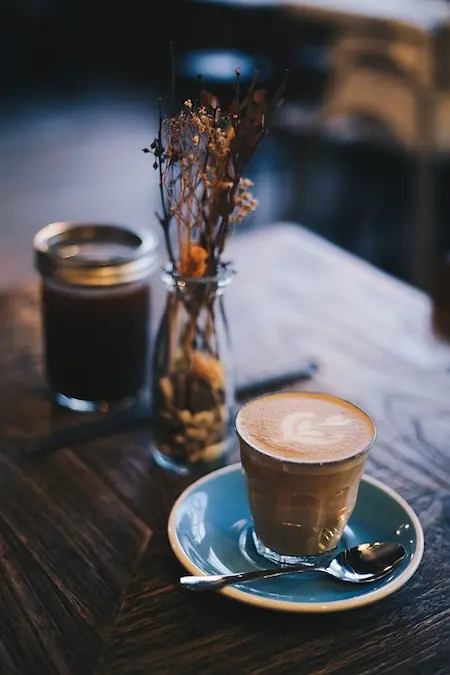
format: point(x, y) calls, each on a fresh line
point(360, 152)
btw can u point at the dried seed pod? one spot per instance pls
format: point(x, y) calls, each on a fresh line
point(196, 457)
point(218, 435)
point(208, 368)
point(200, 395)
point(185, 416)
point(197, 434)
point(224, 413)
point(166, 388)
point(205, 418)
point(212, 451)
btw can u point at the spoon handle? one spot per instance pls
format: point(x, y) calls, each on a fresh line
point(216, 581)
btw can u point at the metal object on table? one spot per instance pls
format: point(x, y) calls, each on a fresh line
point(361, 564)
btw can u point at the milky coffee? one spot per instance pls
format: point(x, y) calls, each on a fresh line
point(303, 454)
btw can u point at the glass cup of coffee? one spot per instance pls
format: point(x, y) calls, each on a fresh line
point(303, 454)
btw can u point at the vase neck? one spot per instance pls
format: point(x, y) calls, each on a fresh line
point(212, 286)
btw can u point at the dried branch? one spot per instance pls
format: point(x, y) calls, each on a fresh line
point(201, 154)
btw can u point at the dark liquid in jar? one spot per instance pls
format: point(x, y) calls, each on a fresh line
point(96, 341)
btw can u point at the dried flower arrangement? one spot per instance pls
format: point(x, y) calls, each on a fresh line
point(201, 154)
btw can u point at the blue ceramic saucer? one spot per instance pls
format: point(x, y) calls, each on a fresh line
point(209, 531)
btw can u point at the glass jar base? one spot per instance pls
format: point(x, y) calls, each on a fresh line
point(193, 468)
point(79, 405)
point(282, 559)
point(165, 462)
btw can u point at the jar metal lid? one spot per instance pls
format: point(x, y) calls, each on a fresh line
point(94, 254)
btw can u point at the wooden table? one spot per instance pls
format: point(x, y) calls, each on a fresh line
point(88, 583)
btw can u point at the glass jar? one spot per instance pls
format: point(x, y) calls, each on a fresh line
point(95, 310)
point(193, 378)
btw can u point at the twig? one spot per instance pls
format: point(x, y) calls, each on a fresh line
point(201, 167)
point(166, 218)
point(172, 77)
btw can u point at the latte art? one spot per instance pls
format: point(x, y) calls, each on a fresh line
point(304, 426)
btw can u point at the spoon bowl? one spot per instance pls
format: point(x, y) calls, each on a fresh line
point(361, 564)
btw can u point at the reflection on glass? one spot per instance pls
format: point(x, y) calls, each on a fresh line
point(240, 525)
point(402, 529)
point(216, 564)
point(196, 515)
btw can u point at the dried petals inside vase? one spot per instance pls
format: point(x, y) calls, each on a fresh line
point(193, 390)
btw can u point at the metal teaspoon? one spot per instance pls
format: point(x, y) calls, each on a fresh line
point(357, 565)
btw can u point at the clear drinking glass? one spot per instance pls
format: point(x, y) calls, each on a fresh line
point(299, 508)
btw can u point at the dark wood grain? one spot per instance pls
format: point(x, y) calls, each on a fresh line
point(212, 634)
point(88, 581)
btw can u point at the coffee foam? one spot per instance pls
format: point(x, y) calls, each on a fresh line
point(305, 427)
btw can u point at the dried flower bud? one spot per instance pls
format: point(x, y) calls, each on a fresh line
point(193, 264)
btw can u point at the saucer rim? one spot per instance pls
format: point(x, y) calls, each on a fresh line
point(302, 607)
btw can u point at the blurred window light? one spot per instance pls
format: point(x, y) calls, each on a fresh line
point(422, 13)
point(220, 66)
point(247, 3)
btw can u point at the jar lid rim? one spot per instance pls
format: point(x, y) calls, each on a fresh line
point(138, 262)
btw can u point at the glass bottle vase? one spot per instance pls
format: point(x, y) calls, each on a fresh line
point(192, 379)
